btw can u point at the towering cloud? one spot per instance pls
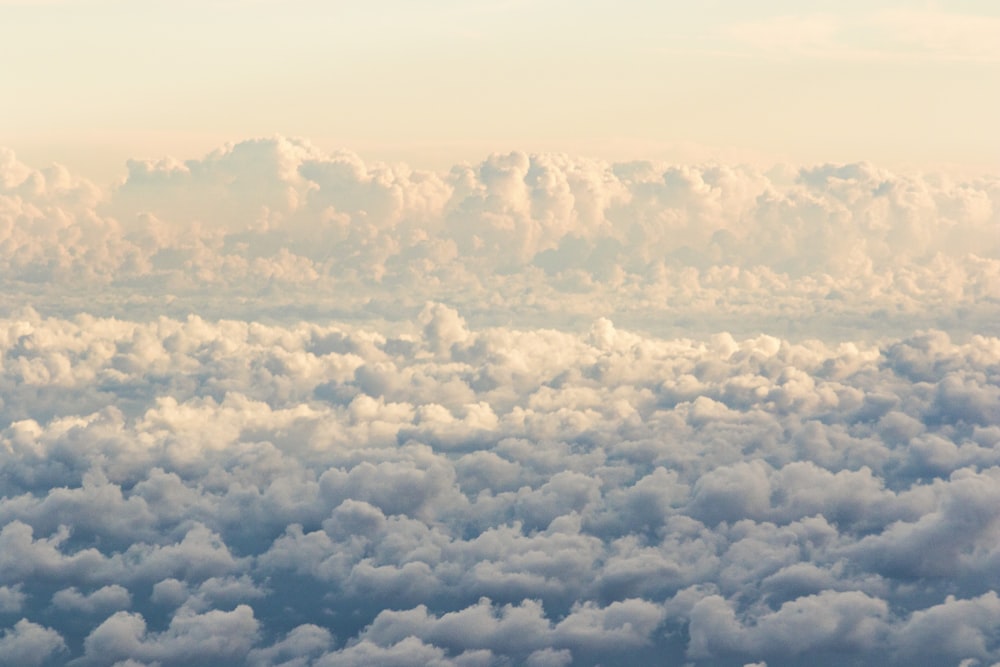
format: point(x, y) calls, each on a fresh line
point(276, 225)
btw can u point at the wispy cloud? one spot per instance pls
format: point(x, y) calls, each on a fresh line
point(910, 34)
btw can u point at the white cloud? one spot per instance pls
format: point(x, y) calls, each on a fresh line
point(467, 456)
point(29, 644)
point(107, 598)
point(214, 635)
point(11, 599)
point(278, 226)
point(601, 488)
point(899, 34)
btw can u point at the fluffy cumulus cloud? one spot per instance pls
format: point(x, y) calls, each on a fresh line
point(281, 228)
point(281, 407)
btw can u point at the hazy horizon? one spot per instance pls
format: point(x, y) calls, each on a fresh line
point(438, 82)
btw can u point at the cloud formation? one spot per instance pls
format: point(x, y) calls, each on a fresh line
point(278, 227)
point(278, 406)
point(894, 35)
point(192, 491)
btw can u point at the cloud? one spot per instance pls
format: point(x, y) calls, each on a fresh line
point(335, 422)
point(927, 34)
point(593, 491)
point(212, 636)
point(11, 599)
point(848, 621)
point(102, 600)
point(958, 628)
point(280, 227)
point(945, 35)
point(29, 644)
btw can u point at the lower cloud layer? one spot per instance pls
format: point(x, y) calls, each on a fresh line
point(194, 492)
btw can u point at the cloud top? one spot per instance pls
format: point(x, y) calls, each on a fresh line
point(266, 224)
point(280, 406)
point(188, 492)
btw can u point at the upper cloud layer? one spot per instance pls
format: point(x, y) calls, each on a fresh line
point(277, 226)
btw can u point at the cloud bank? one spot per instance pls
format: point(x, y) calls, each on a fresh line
point(277, 228)
point(280, 407)
point(190, 492)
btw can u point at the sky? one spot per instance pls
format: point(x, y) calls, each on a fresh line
point(499, 333)
point(440, 81)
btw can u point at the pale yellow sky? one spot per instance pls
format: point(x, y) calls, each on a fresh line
point(90, 83)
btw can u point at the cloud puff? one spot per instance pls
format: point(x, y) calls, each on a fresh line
point(215, 636)
point(28, 643)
